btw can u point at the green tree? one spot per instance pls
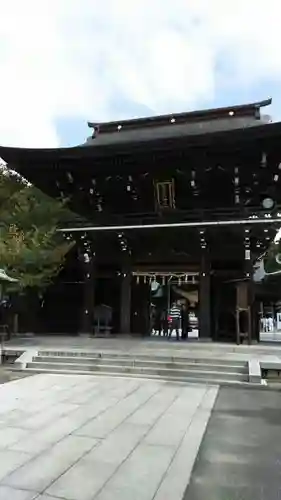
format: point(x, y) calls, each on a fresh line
point(31, 249)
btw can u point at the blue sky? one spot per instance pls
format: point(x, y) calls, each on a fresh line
point(64, 62)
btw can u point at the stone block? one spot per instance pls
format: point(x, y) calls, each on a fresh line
point(118, 445)
point(40, 472)
point(179, 473)
point(105, 423)
point(48, 415)
point(25, 358)
point(151, 411)
point(254, 371)
point(45, 497)
point(10, 435)
point(82, 481)
point(176, 419)
point(39, 441)
point(7, 493)
point(11, 460)
point(139, 477)
point(271, 365)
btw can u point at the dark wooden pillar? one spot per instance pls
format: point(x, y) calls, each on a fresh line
point(255, 319)
point(250, 285)
point(243, 313)
point(205, 296)
point(125, 297)
point(245, 297)
point(87, 316)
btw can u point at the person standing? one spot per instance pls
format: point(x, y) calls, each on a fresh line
point(185, 322)
point(175, 315)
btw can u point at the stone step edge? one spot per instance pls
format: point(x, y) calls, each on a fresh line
point(55, 359)
point(184, 380)
point(121, 369)
point(122, 355)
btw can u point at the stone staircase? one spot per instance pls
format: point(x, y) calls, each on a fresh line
point(176, 368)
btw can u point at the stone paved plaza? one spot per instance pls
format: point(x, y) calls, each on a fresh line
point(82, 438)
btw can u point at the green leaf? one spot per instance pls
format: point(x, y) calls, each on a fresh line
point(31, 249)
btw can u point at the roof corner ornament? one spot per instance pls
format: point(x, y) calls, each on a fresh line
point(96, 131)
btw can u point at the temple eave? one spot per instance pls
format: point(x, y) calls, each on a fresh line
point(30, 156)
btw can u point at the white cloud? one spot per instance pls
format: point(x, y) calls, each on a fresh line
point(73, 58)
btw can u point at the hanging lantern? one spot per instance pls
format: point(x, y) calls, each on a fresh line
point(144, 279)
point(186, 278)
point(69, 177)
point(264, 160)
point(163, 280)
point(179, 281)
point(138, 280)
point(86, 258)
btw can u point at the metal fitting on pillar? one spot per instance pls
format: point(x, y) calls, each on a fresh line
point(203, 243)
point(247, 244)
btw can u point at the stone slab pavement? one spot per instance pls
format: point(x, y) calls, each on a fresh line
point(75, 437)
